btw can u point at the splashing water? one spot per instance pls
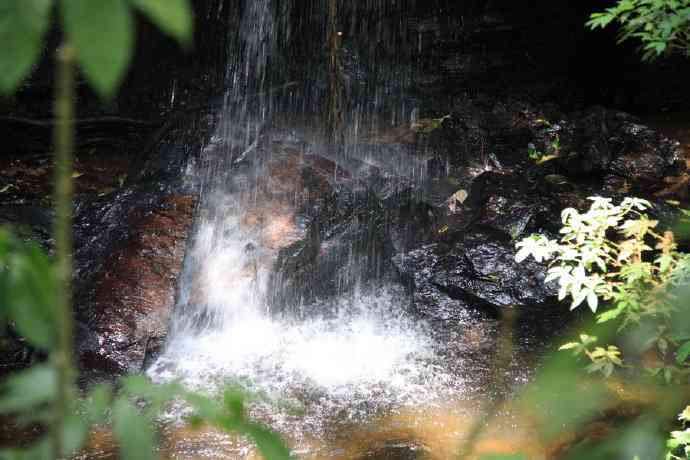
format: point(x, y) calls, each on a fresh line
point(366, 353)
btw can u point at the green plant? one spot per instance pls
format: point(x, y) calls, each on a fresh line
point(602, 359)
point(679, 443)
point(661, 26)
point(553, 147)
point(613, 254)
point(101, 33)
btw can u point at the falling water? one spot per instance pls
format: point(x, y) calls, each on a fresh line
point(351, 354)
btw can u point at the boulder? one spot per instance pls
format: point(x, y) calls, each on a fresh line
point(478, 270)
point(124, 312)
point(603, 142)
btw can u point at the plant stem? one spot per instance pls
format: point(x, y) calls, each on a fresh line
point(64, 145)
point(335, 116)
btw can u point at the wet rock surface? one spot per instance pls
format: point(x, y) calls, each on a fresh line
point(129, 249)
point(450, 234)
point(125, 314)
point(477, 270)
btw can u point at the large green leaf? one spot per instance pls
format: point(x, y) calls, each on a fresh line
point(173, 17)
point(683, 353)
point(74, 435)
point(22, 26)
point(28, 389)
point(156, 395)
point(102, 33)
point(30, 283)
point(133, 432)
point(269, 443)
point(96, 405)
point(39, 451)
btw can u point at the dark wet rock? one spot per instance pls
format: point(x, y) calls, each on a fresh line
point(512, 204)
point(15, 352)
point(397, 450)
point(489, 133)
point(129, 246)
point(347, 244)
point(601, 142)
point(479, 270)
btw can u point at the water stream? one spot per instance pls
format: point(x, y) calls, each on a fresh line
point(327, 365)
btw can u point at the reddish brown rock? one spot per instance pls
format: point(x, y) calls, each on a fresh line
point(135, 290)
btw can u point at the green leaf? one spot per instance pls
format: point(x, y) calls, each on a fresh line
point(102, 33)
point(97, 403)
point(74, 434)
point(28, 389)
point(132, 431)
point(156, 396)
point(683, 352)
point(234, 402)
point(39, 451)
point(31, 282)
point(22, 26)
point(173, 17)
point(269, 443)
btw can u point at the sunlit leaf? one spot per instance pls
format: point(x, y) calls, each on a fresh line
point(683, 352)
point(22, 26)
point(173, 17)
point(102, 33)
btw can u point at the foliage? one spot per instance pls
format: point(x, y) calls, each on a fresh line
point(591, 264)
point(602, 359)
point(635, 270)
point(679, 442)
point(553, 147)
point(614, 255)
point(101, 32)
point(661, 26)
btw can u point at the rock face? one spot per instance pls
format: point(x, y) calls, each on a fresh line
point(134, 291)
point(450, 235)
point(478, 270)
point(606, 142)
point(129, 248)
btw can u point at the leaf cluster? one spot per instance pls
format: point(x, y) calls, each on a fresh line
point(614, 255)
point(661, 26)
point(101, 32)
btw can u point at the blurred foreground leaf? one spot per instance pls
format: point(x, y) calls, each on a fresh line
point(22, 26)
point(28, 389)
point(132, 431)
point(173, 17)
point(102, 33)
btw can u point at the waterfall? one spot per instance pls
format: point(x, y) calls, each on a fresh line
point(353, 350)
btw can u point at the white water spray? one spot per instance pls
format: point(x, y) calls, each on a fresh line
point(367, 351)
